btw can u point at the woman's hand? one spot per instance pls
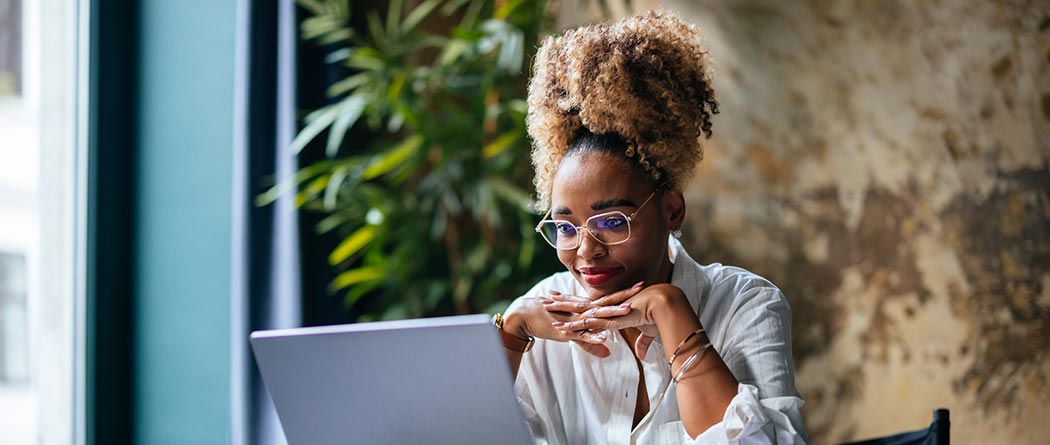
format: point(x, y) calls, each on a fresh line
point(528, 317)
point(591, 316)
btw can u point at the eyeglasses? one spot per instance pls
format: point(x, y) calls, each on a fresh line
point(607, 228)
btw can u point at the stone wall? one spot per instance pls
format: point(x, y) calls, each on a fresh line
point(886, 163)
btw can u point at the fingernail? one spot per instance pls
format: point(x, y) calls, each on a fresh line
point(546, 301)
point(601, 337)
point(557, 324)
point(639, 284)
point(625, 305)
point(554, 292)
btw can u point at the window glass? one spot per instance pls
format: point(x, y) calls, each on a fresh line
point(14, 333)
point(10, 47)
point(38, 78)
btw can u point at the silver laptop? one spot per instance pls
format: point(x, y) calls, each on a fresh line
point(433, 381)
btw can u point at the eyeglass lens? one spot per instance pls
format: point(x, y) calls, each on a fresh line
point(607, 228)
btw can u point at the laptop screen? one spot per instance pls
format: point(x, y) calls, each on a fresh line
point(435, 381)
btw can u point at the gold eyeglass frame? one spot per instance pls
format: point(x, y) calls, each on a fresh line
point(579, 233)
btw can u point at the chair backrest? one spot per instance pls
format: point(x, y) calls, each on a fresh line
point(936, 434)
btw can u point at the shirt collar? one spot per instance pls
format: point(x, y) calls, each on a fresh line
point(686, 274)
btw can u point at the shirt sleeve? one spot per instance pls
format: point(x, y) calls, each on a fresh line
point(752, 421)
point(756, 346)
point(532, 418)
point(537, 398)
point(533, 385)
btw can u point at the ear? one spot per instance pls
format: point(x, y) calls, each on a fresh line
point(673, 209)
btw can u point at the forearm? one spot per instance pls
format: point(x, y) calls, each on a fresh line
point(513, 325)
point(707, 387)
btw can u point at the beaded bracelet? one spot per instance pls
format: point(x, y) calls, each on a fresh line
point(689, 363)
point(679, 348)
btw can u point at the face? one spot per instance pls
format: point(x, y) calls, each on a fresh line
point(587, 184)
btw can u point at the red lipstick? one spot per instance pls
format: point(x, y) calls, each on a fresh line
point(595, 276)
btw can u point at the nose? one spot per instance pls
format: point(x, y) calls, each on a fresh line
point(589, 246)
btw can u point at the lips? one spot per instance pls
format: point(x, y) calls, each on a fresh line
point(597, 275)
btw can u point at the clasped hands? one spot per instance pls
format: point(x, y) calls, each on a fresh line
point(583, 320)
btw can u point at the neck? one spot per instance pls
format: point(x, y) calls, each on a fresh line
point(663, 274)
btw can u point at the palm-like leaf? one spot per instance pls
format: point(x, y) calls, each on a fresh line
point(432, 206)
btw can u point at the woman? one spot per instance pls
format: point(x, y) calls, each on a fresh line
point(636, 342)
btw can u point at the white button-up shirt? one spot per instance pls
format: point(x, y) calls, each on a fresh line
point(572, 397)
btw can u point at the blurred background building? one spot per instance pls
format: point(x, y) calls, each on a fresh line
point(19, 155)
point(37, 115)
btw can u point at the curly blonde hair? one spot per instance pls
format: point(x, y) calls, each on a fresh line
point(646, 79)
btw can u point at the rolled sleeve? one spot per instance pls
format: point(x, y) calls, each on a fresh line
point(748, 421)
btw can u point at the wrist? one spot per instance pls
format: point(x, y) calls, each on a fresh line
point(667, 305)
point(510, 341)
point(513, 324)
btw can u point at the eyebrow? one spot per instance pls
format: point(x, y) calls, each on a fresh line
point(600, 205)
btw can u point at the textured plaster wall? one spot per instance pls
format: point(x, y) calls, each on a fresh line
point(886, 163)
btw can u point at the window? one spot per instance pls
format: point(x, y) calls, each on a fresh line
point(14, 336)
point(10, 47)
point(38, 221)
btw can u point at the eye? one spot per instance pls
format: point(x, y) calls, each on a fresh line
point(565, 228)
point(611, 222)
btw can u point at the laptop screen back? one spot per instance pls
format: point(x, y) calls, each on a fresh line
point(435, 381)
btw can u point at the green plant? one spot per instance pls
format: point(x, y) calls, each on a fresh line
point(432, 209)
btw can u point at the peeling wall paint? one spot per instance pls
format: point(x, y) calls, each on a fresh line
point(887, 163)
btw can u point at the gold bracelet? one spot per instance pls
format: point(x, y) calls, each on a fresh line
point(679, 348)
point(689, 363)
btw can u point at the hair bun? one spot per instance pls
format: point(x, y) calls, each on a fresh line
point(646, 78)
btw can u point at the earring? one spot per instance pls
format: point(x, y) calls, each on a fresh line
point(677, 233)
